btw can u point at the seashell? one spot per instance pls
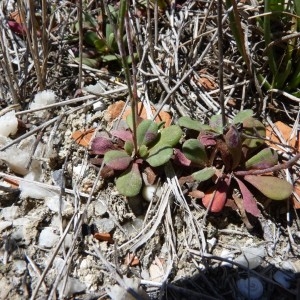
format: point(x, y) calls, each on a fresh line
point(251, 257)
point(251, 288)
point(290, 266)
point(150, 191)
point(284, 278)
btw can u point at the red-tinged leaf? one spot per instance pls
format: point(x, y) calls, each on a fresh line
point(249, 202)
point(123, 135)
point(130, 182)
point(101, 145)
point(181, 159)
point(215, 198)
point(147, 132)
point(206, 139)
point(272, 187)
point(117, 160)
point(233, 138)
point(17, 28)
point(266, 158)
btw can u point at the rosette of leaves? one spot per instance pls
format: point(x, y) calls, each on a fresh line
point(239, 147)
point(99, 39)
point(154, 147)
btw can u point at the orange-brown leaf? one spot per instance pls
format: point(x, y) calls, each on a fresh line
point(83, 138)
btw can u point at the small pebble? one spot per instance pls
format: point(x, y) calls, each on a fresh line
point(73, 286)
point(100, 209)
point(10, 213)
point(48, 238)
point(19, 266)
point(104, 225)
point(5, 225)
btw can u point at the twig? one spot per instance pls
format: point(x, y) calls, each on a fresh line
point(276, 168)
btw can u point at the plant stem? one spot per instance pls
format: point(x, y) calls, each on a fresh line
point(278, 167)
point(220, 57)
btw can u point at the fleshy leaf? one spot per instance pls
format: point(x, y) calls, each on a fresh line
point(189, 123)
point(181, 159)
point(170, 135)
point(242, 115)
point(207, 139)
point(117, 160)
point(159, 155)
point(233, 141)
point(128, 147)
point(195, 151)
point(147, 132)
point(272, 187)
point(100, 145)
point(266, 158)
point(123, 135)
point(130, 182)
point(204, 174)
point(233, 137)
point(217, 194)
point(249, 202)
point(253, 127)
point(215, 123)
point(143, 151)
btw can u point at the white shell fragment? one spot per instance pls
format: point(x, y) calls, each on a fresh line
point(284, 278)
point(42, 99)
point(48, 238)
point(251, 257)
point(149, 191)
point(8, 124)
point(251, 288)
point(73, 286)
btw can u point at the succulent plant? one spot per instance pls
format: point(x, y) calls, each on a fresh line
point(237, 150)
point(154, 147)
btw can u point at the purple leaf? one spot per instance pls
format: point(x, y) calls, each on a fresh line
point(117, 160)
point(207, 139)
point(100, 145)
point(233, 138)
point(181, 159)
point(123, 135)
point(249, 202)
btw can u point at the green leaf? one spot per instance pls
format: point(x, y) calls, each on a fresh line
point(109, 58)
point(254, 128)
point(242, 115)
point(130, 182)
point(128, 147)
point(189, 123)
point(204, 174)
point(143, 151)
point(170, 135)
point(117, 160)
point(266, 158)
point(159, 155)
point(215, 123)
point(195, 151)
point(147, 132)
point(272, 187)
point(90, 62)
point(92, 39)
point(129, 121)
